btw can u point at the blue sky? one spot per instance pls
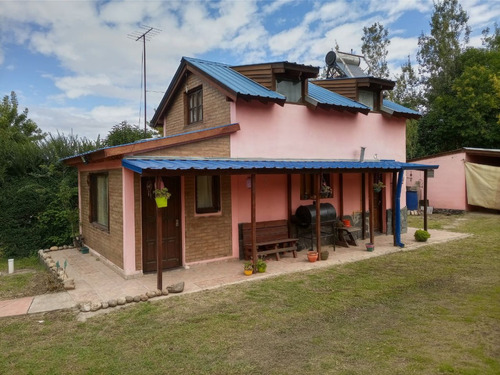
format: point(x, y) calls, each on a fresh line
point(73, 66)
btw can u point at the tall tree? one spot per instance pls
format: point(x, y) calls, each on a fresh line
point(491, 42)
point(438, 52)
point(374, 49)
point(126, 133)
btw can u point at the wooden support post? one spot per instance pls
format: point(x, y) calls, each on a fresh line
point(289, 203)
point(363, 205)
point(394, 183)
point(341, 195)
point(159, 242)
point(425, 198)
point(318, 214)
point(372, 207)
point(254, 222)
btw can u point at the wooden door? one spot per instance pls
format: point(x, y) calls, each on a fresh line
point(378, 202)
point(171, 241)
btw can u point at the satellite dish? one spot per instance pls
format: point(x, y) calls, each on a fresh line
point(330, 58)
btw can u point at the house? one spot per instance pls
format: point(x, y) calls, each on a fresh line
point(468, 179)
point(245, 144)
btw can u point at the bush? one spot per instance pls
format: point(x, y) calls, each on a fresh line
point(422, 235)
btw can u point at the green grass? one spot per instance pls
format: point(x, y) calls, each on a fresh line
point(435, 310)
point(29, 279)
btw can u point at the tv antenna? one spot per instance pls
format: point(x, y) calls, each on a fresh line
point(146, 33)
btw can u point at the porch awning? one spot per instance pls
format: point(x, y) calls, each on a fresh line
point(243, 166)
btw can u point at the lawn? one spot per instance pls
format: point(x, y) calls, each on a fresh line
point(435, 310)
point(29, 279)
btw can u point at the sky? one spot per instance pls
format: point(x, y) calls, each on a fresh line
point(73, 64)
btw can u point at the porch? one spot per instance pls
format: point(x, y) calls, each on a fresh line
point(95, 281)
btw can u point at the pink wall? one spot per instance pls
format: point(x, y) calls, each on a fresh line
point(128, 222)
point(295, 131)
point(447, 188)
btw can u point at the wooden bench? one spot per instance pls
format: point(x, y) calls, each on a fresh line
point(272, 238)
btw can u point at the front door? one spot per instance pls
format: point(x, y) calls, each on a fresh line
point(378, 203)
point(171, 229)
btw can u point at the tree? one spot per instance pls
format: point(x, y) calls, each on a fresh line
point(469, 115)
point(438, 52)
point(124, 132)
point(18, 135)
point(407, 89)
point(374, 49)
point(491, 42)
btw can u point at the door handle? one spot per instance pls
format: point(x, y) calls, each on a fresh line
point(176, 222)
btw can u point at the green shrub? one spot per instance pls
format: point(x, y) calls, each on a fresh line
point(422, 235)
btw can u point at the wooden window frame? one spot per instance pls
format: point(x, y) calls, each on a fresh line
point(308, 185)
point(92, 182)
point(216, 196)
point(198, 107)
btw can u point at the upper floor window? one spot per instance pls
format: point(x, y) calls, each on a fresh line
point(368, 98)
point(99, 202)
point(292, 89)
point(195, 105)
point(207, 194)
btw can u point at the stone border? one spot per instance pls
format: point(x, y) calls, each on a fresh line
point(58, 272)
point(92, 306)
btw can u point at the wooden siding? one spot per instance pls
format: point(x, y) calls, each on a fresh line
point(262, 74)
point(344, 87)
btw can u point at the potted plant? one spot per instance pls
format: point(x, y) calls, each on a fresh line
point(312, 256)
point(422, 235)
point(161, 197)
point(378, 186)
point(248, 268)
point(370, 246)
point(261, 265)
point(326, 191)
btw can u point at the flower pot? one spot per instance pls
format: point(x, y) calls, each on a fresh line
point(312, 256)
point(370, 247)
point(161, 202)
point(247, 272)
point(261, 269)
point(84, 250)
point(324, 255)
point(347, 223)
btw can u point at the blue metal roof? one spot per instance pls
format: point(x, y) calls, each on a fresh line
point(245, 165)
point(399, 108)
point(233, 80)
point(325, 96)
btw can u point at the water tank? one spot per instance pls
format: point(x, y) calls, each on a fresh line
point(412, 200)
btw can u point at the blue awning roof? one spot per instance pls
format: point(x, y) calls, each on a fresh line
point(180, 165)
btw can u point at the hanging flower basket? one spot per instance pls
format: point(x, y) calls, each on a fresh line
point(161, 197)
point(161, 202)
point(377, 187)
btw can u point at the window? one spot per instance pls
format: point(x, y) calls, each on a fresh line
point(207, 194)
point(308, 186)
point(195, 105)
point(291, 89)
point(99, 204)
point(368, 98)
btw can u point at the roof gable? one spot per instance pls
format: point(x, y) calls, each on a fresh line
point(326, 98)
point(230, 82)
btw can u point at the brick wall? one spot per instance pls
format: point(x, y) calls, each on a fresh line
point(208, 237)
point(108, 243)
point(215, 108)
point(216, 147)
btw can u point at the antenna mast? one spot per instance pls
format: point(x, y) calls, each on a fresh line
point(145, 36)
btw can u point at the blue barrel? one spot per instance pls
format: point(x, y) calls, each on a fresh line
point(412, 200)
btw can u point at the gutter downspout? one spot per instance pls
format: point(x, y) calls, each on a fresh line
point(398, 209)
